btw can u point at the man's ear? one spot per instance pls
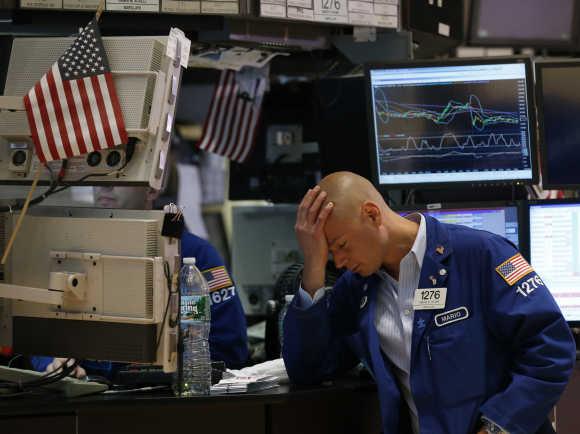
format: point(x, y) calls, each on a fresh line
point(371, 211)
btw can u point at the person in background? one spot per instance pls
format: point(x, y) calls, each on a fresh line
point(228, 338)
point(459, 332)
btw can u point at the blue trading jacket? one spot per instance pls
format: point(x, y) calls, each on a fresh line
point(496, 349)
point(227, 340)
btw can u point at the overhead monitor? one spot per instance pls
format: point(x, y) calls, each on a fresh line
point(532, 23)
point(147, 81)
point(558, 101)
point(89, 283)
point(555, 252)
point(452, 122)
point(500, 219)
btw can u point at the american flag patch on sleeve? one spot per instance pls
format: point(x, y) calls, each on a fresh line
point(514, 269)
point(217, 278)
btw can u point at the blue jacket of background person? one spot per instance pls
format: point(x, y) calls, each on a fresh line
point(507, 355)
point(228, 340)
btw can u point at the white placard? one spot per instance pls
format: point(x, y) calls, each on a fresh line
point(133, 5)
point(387, 21)
point(307, 4)
point(220, 7)
point(272, 10)
point(429, 298)
point(174, 35)
point(41, 4)
point(91, 5)
point(340, 19)
point(386, 9)
point(360, 7)
point(444, 29)
point(181, 6)
point(333, 8)
point(300, 13)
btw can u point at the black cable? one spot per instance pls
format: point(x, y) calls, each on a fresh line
point(167, 273)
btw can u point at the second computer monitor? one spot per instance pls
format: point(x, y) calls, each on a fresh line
point(460, 121)
point(558, 99)
point(555, 252)
point(500, 219)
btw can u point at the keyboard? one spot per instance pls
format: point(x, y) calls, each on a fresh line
point(69, 386)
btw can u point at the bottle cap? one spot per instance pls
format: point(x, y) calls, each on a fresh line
point(189, 261)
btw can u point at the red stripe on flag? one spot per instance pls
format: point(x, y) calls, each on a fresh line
point(58, 113)
point(116, 108)
point(248, 147)
point(102, 111)
point(45, 122)
point(209, 119)
point(225, 103)
point(74, 116)
point(88, 114)
point(225, 130)
point(33, 130)
point(234, 130)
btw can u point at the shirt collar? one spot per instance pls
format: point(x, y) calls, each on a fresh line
point(420, 244)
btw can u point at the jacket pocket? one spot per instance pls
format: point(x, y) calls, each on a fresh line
point(458, 365)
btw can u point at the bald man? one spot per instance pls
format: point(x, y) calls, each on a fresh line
point(458, 331)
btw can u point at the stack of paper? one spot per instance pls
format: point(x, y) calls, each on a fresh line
point(244, 384)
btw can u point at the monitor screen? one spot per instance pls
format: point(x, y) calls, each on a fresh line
point(555, 252)
point(500, 220)
point(463, 121)
point(515, 22)
point(558, 99)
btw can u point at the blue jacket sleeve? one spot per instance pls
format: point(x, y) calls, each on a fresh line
point(39, 363)
point(524, 313)
point(314, 347)
point(228, 341)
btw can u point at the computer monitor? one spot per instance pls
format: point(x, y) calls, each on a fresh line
point(147, 82)
point(452, 122)
point(558, 102)
point(555, 252)
point(501, 219)
point(531, 23)
point(263, 246)
point(89, 283)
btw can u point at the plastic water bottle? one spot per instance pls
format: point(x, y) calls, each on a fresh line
point(287, 300)
point(194, 370)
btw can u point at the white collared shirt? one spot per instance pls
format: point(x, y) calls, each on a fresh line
point(394, 312)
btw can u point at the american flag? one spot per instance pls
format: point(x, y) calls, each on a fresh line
point(217, 278)
point(231, 124)
point(74, 109)
point(514, 269)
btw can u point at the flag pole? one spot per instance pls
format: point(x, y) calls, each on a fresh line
point(21, 216)
point(100, 10)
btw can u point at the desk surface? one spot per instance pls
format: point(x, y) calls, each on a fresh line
point(47, 403)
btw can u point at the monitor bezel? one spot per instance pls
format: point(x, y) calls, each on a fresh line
point(449, 206)
point(539, 66)
point(541, 202)
point(520, 42)
point(532, 138)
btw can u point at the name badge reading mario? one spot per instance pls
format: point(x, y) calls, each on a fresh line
point(429, 298)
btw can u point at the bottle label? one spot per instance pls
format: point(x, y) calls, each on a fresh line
point(194, 308)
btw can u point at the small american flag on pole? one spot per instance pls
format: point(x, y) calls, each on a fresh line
point(217, 278)
point(514, 269)
point(231, 124)
point(74, 109)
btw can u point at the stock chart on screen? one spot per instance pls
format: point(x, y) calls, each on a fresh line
point(451, 123)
